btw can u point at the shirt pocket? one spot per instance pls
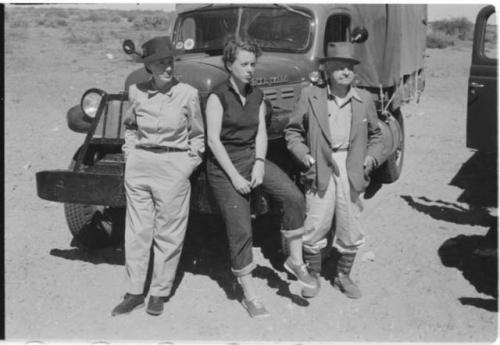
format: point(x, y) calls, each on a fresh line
point(172, 118)
point(145, 120)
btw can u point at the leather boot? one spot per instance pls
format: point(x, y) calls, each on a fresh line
point(342, 280)
point(313, 262)
point(130, 303)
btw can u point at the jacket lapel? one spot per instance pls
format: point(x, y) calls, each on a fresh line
point(357, 114)
point(319, 107)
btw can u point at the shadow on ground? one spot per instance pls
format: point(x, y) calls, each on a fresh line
point(475, 256)
point(206, 252)
point(110, 255)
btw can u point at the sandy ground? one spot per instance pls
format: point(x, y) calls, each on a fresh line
point(413, 289)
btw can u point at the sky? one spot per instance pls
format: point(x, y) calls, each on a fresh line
point(435, 11)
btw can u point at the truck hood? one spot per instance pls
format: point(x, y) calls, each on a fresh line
point(205, 72)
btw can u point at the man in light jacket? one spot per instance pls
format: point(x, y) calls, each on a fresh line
point(335, 136)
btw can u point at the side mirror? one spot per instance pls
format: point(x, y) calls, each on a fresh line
point(129, 47)
point(359, 35)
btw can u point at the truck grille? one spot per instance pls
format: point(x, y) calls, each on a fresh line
point(271, 94)
point(287, 92)
point(110, 125)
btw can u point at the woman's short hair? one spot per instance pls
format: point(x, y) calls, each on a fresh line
point(232, 46)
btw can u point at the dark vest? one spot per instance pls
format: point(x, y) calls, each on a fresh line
point(239, 123)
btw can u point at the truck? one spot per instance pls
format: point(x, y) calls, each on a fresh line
point(482, 107)
point(390, 46)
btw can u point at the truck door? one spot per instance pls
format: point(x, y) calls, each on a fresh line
point(482, 112)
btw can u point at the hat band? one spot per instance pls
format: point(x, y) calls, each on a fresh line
point(159, 55)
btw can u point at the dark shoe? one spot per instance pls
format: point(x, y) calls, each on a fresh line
point(347, 286)
point(308, 292)
point(155, 305)
point(130, 303)
point(255, 308)
point(301, 273)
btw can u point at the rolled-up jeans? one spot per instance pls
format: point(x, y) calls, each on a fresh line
point(235, 207)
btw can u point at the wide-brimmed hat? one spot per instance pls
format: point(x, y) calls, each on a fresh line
point(343, 51)
point(156, 49)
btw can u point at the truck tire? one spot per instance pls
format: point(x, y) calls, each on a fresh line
point(391, 169)
point(93, 226)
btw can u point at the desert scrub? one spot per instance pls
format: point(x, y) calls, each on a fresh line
point(154, 22)
point(83, 37)
point(61, 22)
point(459, 27)
point(51, 23)
point(131, 17)
point(57, 13)
point(18, 23)
point(94, 16)
point(439, 40)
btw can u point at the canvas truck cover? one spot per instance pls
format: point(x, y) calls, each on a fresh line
point(396, 42)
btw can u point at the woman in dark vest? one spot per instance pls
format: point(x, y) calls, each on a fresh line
point(237, 139)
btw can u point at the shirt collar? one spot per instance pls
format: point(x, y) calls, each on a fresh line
point(166, 89)
point(342, 101)
point(232, 86)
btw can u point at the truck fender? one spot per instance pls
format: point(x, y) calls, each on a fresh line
point(77, 121)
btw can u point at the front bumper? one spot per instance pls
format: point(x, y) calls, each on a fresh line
point(92, 188)
point(105, 188)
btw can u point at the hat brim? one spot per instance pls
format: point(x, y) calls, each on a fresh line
point(157, 56)
point(326, 59)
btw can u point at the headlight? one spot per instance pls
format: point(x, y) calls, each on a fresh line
point(314, 77)
point(90, 102)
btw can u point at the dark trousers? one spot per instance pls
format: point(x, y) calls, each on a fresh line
point(235, 207)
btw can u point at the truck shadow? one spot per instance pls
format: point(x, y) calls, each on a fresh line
point(206, 252)
point(113, 255)
point(476, 256)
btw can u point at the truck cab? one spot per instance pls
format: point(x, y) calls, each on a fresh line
point(293, 38)
point(482, 106)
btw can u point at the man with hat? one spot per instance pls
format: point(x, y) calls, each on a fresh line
point(164, 141)
point(333, 133)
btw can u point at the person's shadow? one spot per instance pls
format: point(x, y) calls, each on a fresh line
point(476, 256)
point(206, 252)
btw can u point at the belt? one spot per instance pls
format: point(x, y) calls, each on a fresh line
point(340, 149)
point(161, 149)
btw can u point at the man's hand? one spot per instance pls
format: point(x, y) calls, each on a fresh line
point(257, 173)
point(308, 161)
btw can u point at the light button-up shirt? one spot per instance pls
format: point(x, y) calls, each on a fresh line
point(165, 118)
point(339, 118)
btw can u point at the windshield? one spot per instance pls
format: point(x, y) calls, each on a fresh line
point(273, 29)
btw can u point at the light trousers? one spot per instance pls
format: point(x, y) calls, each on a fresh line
point(341, 201)
point(158, 192)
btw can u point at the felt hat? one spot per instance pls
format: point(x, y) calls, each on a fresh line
point(343, 51)
point(156, 49)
